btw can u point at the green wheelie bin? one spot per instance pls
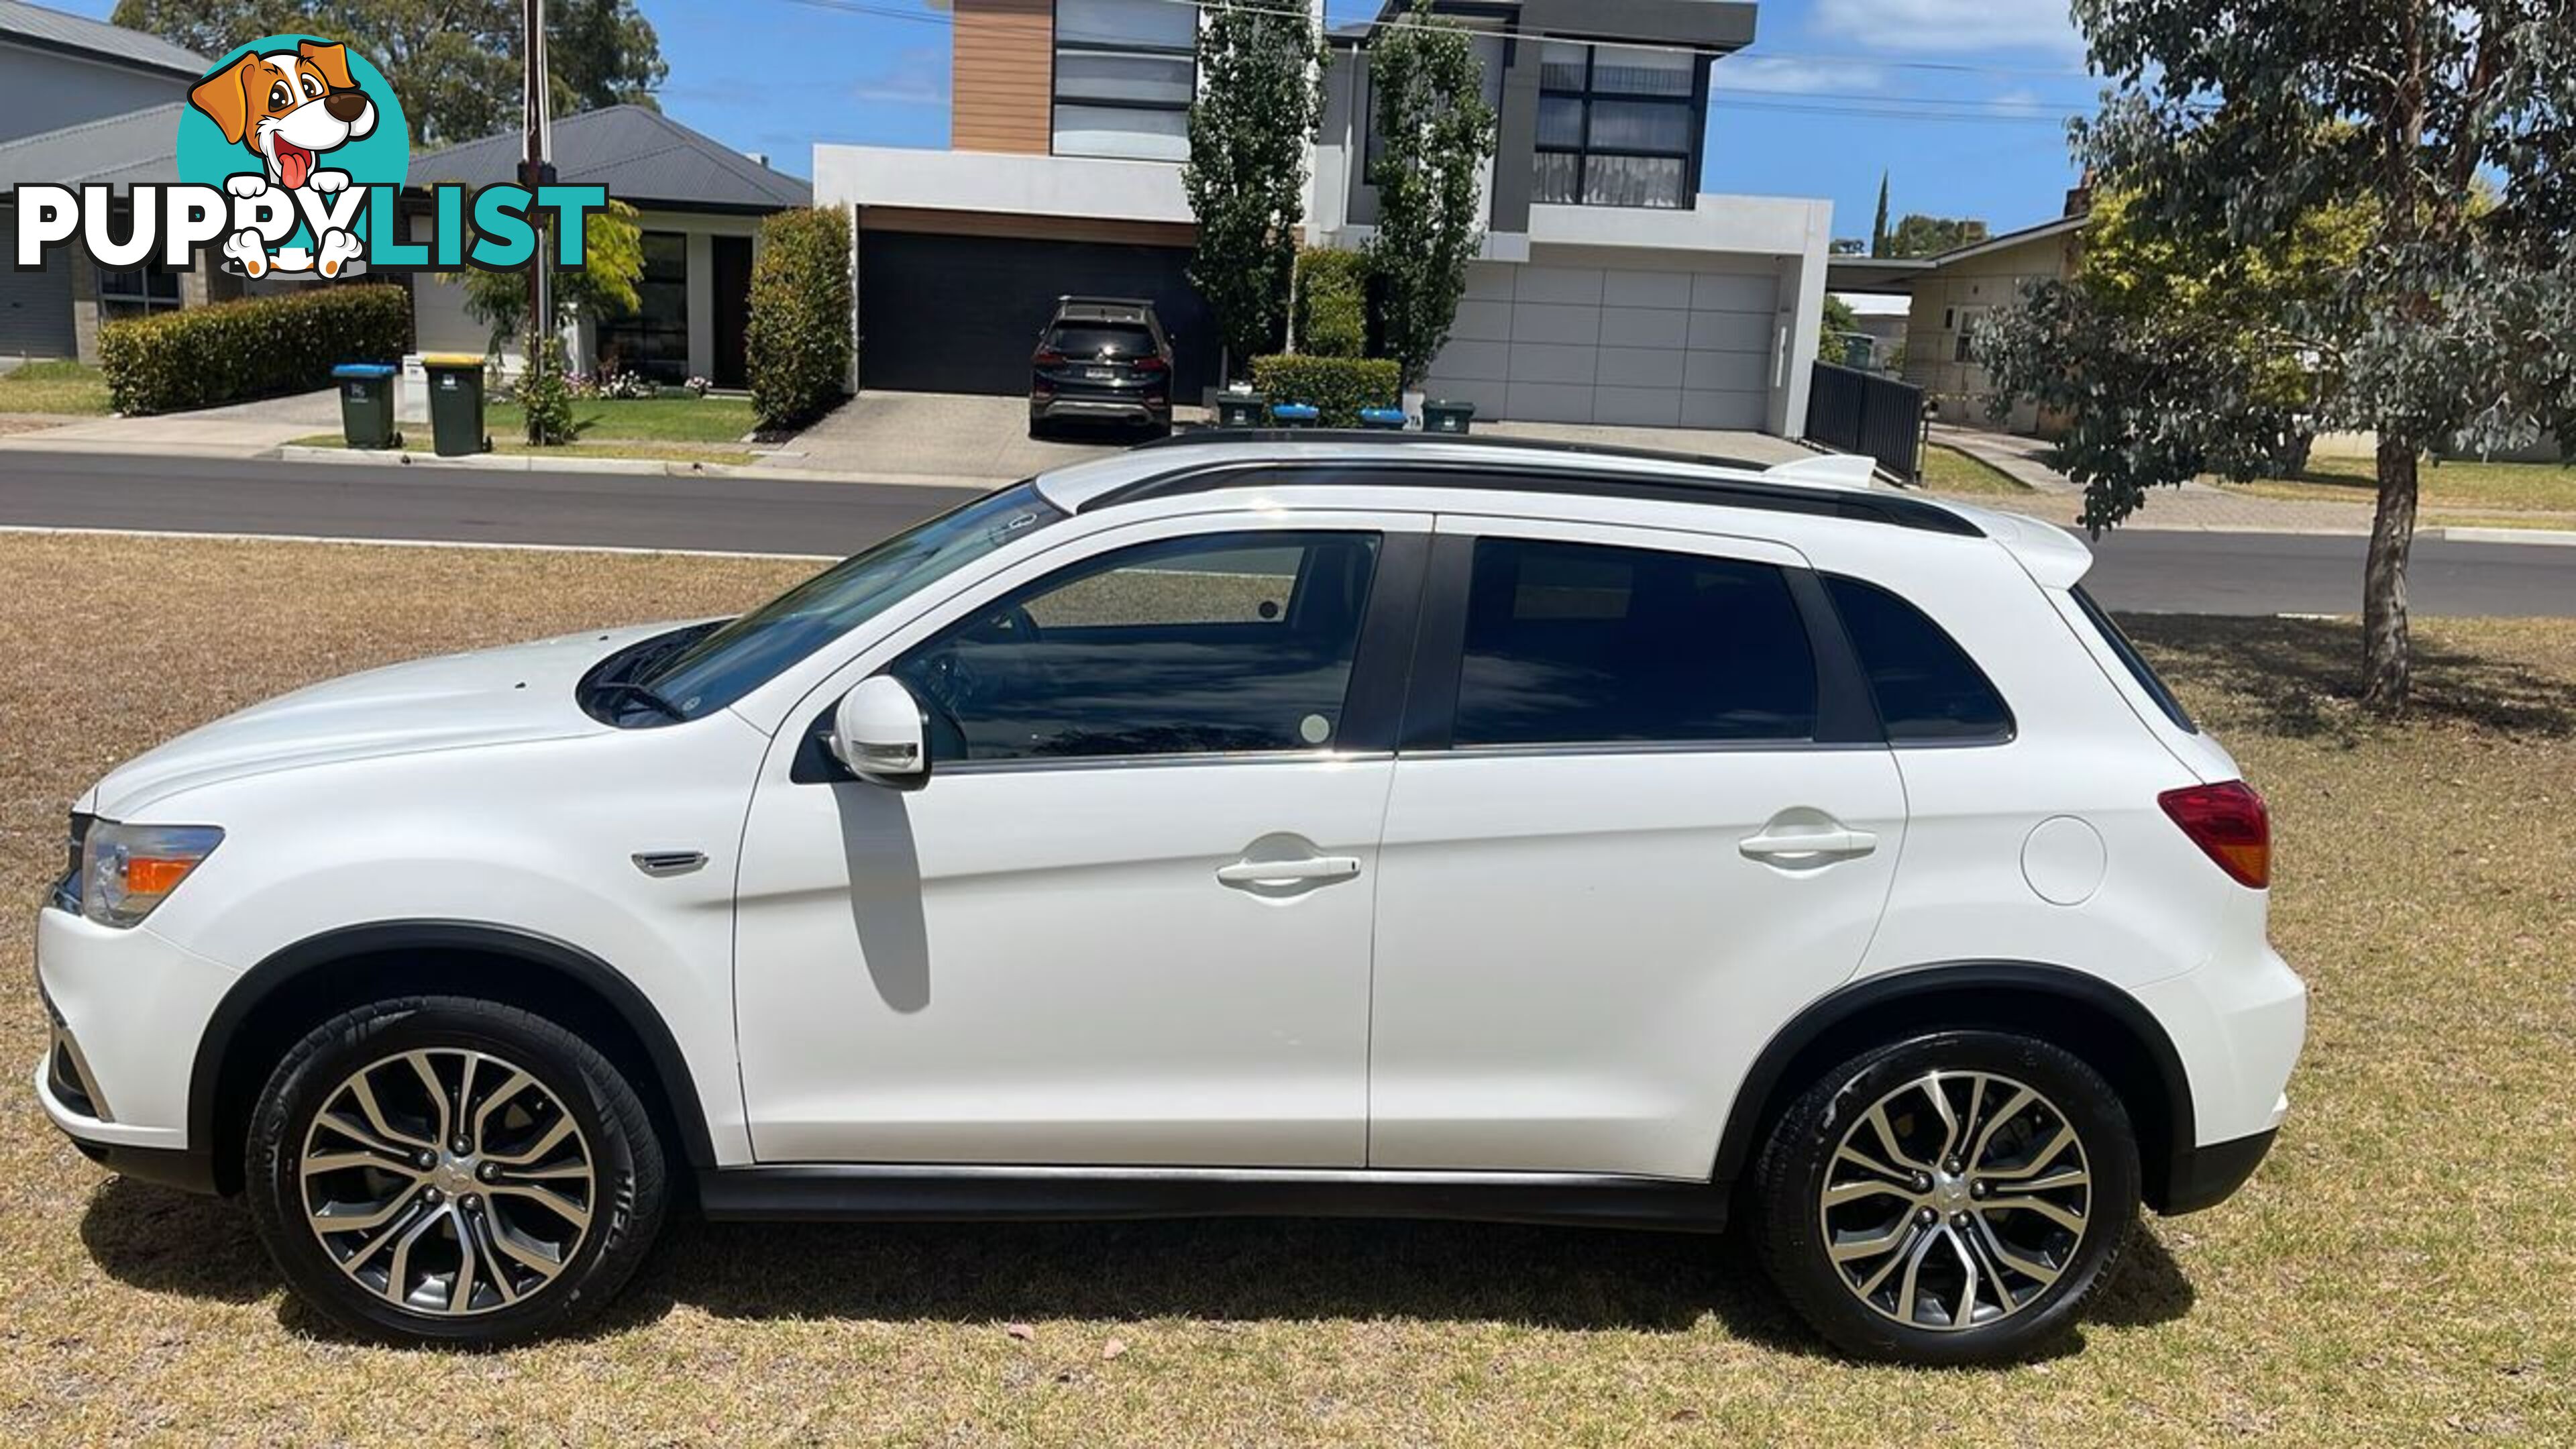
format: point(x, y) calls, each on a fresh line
point(456, 403)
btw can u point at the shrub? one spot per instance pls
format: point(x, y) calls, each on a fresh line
point(259, 347)
point(1332, 302)
point(1338, 386)
point(797, 341)
point(545, 395)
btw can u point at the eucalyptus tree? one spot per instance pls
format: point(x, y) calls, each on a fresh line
point(2443, 130)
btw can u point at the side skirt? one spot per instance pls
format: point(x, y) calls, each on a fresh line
point(940, 1193)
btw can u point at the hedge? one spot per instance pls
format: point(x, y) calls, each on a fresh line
point(1338, 386)
point(797, 341)
point(1332, 302)
point(257, 347)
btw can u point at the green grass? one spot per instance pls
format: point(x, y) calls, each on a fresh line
point(54, 387)
point(2398, 1273)
point(1947, 470)
point(2461, 484)
point(652, 419)
point(417, 442)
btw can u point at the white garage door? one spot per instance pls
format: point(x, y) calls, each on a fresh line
point(1542, 343)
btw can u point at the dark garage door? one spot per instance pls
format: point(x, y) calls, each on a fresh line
point(36, 306)
point(961, 313)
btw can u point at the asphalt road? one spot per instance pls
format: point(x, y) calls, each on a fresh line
point(2214, 573)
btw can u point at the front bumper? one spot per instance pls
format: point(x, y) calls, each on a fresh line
point(128, 1009)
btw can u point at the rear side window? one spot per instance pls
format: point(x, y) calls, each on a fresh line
point(1571, 643)
point(1928, 689)
point(1093, 339)
point(2138, 667)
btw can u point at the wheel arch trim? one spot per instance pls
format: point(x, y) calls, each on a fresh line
point(1760, 1095)
point(573, 966)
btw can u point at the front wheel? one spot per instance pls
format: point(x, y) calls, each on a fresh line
point(1948, 1199)
point(445, 1169)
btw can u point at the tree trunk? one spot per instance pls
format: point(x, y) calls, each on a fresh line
point(2386, 658)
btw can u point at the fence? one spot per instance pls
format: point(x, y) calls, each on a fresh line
point(1862, 412)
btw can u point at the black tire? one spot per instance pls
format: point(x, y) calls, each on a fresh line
point(1791, 1176)
point(625, 1193)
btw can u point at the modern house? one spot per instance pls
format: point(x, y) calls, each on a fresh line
point(700, 205)
point(1610, 288)
point(84, 102)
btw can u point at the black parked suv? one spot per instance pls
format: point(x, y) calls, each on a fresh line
point(1101, 359)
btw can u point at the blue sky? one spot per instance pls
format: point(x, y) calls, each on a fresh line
point(1963, 101)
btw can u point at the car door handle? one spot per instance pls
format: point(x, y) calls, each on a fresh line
point(1288, 872)
point(1806, 844)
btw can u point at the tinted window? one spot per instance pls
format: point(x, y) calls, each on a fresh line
point(1222, 643)
point(1576, 643)
point(2138, 667)
point(1926, 685)
point(1094, 339)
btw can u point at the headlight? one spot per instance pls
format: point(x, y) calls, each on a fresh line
point(126, 870)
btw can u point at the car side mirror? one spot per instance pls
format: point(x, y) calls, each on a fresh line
point(877, 734)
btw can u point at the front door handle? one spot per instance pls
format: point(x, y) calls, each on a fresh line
point(1314, 868)
point(1808, 844)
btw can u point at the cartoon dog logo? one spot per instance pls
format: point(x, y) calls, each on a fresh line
point(290, 108)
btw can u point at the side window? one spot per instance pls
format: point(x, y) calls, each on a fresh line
point(1575, 643)
point(1222, 643)
point(1927, 687)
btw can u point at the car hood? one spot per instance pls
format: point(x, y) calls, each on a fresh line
point(519, 693)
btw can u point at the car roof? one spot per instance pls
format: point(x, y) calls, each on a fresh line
point(1103, 309)
point(1833, 485)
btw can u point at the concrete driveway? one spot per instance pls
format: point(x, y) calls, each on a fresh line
point(940, 437)
point(968, 440)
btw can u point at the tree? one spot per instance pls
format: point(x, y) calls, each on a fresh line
point(1929, 236)
point(1434, 133)
point(2438, 135)
point(1840, 321)
point(602, 286)
point(1261, 93)
point(454, 64)
point(1878, 226)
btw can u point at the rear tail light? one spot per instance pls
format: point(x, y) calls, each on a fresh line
point(1047, 357)
point(2230, 825)
point(1152, 364)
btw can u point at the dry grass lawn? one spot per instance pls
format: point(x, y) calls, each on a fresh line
point(2403, 1271)
point(2462, 485)
point(1947, 470)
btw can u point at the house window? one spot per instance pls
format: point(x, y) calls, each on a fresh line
point(1619, 125)
point(654, 338)
point(136, 292)
point(1962, 342)
point(1124, 75)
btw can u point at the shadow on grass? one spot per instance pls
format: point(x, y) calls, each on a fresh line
point(2300, 678)
point(1212, 1269)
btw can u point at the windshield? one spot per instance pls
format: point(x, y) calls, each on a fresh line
point(749, 652)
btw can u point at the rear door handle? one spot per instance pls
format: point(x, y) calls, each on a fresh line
point(1288, 872)
point(1806, 844)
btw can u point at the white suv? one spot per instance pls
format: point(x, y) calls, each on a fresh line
point(1268, 825)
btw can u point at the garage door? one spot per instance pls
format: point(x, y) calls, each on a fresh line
point(961, 313)
point(1545, 343)
point(35, 307)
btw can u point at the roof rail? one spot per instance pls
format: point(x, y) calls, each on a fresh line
point(1082, 301)
point(1376, 436)
point(1572, 479)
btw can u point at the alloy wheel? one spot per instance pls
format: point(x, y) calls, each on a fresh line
point(1955, 1200)
point(447, 1181)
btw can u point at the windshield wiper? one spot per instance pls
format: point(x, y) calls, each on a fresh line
point(644, 692)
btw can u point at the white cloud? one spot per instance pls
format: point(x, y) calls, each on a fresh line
point(1951, 26)
point(1794, 77)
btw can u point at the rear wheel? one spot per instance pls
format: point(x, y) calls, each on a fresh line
point(1949, 1199)
point(452, 1170)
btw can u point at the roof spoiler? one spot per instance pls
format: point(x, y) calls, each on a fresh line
point(1851, 470)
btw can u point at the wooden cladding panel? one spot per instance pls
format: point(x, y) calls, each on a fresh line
point(1038, 228)
point(1002, 69)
